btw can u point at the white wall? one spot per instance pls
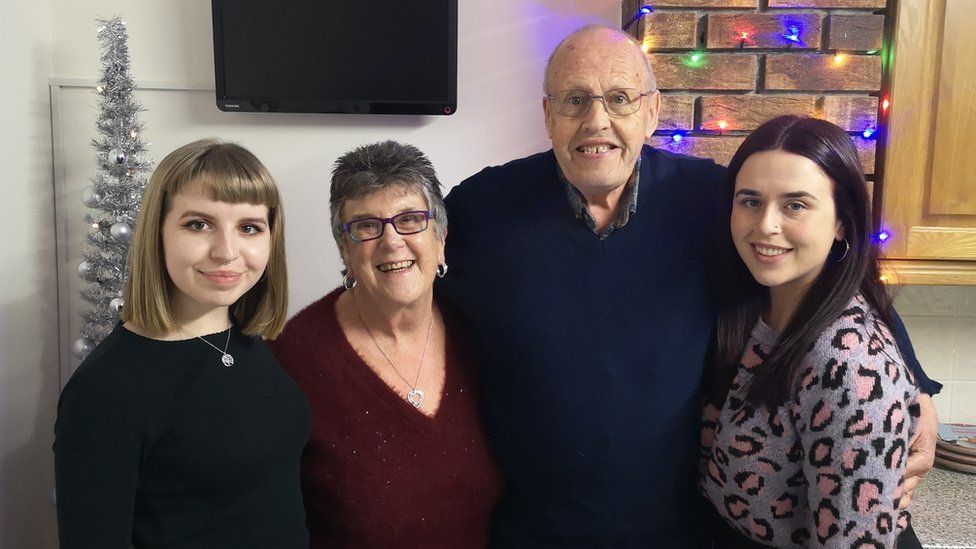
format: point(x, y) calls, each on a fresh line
point(942, 323)
point(28, 300)
point(502, 48)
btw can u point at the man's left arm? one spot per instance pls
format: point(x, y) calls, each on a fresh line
point(921, 453)
point(928, 386)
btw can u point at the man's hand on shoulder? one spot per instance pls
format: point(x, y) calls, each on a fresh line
point(921, 453)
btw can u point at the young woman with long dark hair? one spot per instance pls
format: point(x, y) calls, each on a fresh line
point(811, 405)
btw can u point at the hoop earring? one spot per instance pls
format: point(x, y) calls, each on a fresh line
point(348, 282)
point(847, 248)
point(441, 270)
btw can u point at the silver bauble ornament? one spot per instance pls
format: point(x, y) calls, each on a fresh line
point(118, 156)
point(81, 347)
point(84, 268)
point(121, 231)
point(91, 197)
point(116, 304)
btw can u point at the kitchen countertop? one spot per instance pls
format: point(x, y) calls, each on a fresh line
point(944, 509)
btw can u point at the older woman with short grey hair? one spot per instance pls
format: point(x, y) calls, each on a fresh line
point(397, 455)
point(379, 166)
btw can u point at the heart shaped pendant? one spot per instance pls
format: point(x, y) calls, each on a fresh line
point(415, 397)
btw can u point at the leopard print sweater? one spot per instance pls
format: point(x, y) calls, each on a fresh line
point(826, 468)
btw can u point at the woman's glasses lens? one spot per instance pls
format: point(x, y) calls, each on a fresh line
point(370, 228)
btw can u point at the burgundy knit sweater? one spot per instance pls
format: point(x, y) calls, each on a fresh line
point(376, 472)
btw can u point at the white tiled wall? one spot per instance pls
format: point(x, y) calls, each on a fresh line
point(941, 321)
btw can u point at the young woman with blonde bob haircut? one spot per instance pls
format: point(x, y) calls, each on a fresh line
point(179, 430)
point(230, 174)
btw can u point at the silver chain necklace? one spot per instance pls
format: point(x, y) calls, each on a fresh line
point(225, 358)
point(416, 395)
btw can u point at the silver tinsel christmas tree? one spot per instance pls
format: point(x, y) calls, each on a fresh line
point(116, 189)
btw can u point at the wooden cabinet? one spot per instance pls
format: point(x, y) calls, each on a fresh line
point(929, 180)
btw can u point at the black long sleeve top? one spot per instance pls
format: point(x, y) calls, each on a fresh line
point(158, 444)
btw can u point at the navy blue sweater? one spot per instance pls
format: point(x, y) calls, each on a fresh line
point(591, 350)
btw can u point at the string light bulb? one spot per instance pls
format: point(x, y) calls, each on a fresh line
point(695, 59)
point(792, 34)
point(839, 58)
point(641, 12)
point(722, 124)
point(743, 37)
point(885, 104)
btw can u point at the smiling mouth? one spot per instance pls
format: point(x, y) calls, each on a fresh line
point(223, 278)
point(595, 149)
point(766, 251)
point(395, 266)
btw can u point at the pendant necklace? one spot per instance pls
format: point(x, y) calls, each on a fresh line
point(225, 358)
point(416, 395)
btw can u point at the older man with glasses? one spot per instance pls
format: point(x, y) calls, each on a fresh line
point(586, 273)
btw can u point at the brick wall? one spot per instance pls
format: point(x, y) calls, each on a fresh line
point(726, 66)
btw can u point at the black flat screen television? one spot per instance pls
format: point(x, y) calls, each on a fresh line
point(336, 56)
